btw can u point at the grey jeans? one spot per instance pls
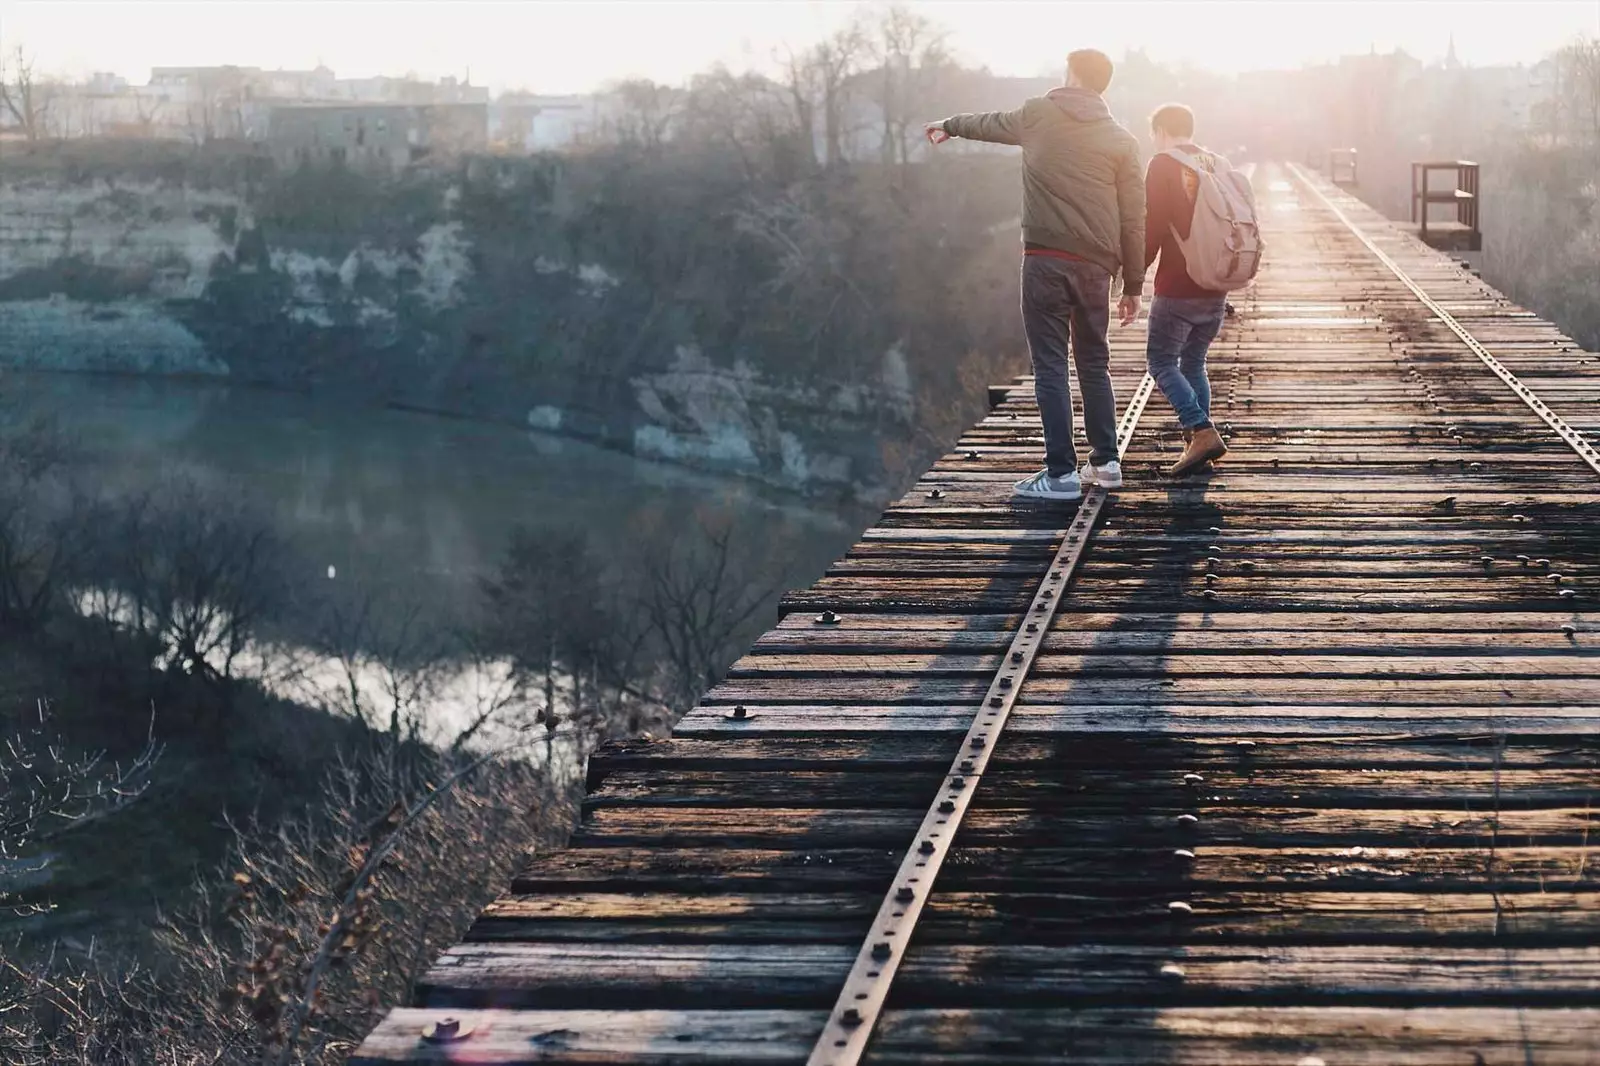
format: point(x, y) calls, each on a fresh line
point(1070, 300)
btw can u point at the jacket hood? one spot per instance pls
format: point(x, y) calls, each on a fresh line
point(1082, 105)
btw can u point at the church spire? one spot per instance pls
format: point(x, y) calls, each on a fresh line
point(1450, 61)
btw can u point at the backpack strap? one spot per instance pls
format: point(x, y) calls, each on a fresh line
point(1193, 162)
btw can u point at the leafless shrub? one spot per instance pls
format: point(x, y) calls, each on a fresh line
point(49, 789)
point(333, 915)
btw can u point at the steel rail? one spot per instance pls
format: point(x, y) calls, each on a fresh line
point(1576, 440)
point(855, 1013)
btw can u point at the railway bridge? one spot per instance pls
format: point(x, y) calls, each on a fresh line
point(1293, 762)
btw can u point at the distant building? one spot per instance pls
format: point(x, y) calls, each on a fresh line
point(387, 90)
point(521, 122)
point(374, 137)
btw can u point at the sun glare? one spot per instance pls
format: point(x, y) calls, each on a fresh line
point(574, 47)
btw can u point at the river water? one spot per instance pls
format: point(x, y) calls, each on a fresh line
point(411, 502)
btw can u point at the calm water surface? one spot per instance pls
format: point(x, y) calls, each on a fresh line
point(412, 500)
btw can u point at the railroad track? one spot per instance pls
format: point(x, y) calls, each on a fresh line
point(1299, 768)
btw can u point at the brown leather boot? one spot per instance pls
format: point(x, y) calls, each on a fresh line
point(1203, 447)
point(1188, 434)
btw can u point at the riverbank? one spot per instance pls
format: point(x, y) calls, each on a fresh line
point(809, 335)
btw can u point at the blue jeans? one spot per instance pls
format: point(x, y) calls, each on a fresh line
point(1181, 330)
point(1065, 300)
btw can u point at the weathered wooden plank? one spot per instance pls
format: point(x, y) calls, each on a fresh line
point(1136, 752)
point(1149, 866)
point(812, 827)
point(1041, 917)
point(807, 975)
point(1282, 622)
point(1175, 665)
point(1116, 786)
point(1156, 719)
point(1120, 1036)
point(1156, 691)
point(1186, 641)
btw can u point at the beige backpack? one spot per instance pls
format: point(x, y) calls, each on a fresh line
point(1224, 248)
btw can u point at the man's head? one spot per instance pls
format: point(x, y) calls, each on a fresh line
point(1088, 69)
point(1170, 126)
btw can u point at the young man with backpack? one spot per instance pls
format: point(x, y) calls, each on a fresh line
point(1200, 219)
point(1082, 221)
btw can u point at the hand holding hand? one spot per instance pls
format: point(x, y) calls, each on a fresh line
point(936, 133)
point(1128, 309)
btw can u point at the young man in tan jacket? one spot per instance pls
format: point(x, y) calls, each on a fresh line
point(1082, 222)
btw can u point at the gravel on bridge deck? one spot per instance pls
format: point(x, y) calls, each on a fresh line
point(1304, 773)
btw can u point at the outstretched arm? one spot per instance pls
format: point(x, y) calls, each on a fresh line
point(997, 127)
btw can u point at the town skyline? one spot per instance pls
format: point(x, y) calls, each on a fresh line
point(563, 47)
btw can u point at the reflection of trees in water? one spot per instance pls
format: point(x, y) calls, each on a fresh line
point(431, 744)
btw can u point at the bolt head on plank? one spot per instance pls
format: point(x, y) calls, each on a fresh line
point(446, 1031)
point(827, 618)
point(946, 807)
point(1179, 908)
point(882, 950)
point(1568, 628)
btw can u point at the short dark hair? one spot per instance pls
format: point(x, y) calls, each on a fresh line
point(1092, 67)
point(1175, 120)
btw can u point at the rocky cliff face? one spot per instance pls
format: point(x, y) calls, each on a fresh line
point(577, 298)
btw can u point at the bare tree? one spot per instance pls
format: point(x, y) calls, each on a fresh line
point(645, 112)
point(46, 526)
point(1578, 87)
point(748, 116)
point(823, 76)
point(182, 585)
point(384, 664)
point(909, 51)
point(702, 598)
point(26, 96)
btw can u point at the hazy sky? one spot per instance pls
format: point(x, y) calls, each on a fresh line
point(564, 46)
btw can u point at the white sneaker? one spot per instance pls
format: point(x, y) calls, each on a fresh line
point(1107, 475)
point(1044, 487)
